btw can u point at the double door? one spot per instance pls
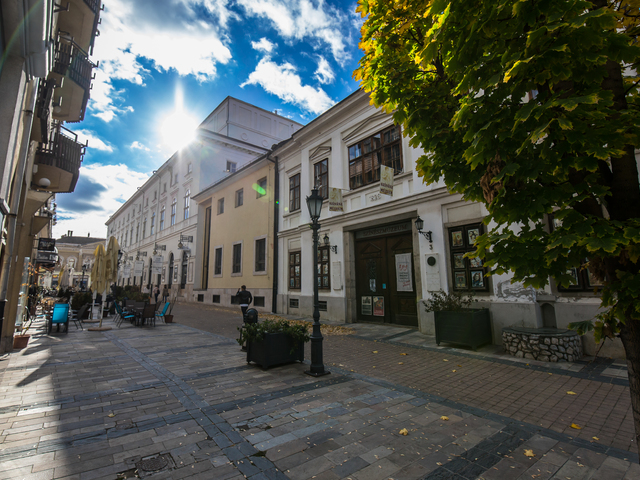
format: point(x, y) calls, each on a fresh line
point(385, 285)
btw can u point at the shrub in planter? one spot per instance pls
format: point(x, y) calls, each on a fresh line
point(274, 342)
point(80, 299)
point(456, 322)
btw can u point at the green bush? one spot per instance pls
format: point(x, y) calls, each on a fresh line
point(80, 299)
point(451, 302)
point(254, 332)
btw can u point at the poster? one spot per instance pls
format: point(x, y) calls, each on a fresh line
point(477, 279)
point(378, 306)
point(386, 180)
point(335, 200)
point(404, 281)
point(138, 267)
point(127, 271)
point(367, 308)
point(156, 266)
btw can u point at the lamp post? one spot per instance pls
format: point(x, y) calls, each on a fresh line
point(314, 202)
point(84, 269)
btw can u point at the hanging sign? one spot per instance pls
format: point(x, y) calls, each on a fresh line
point(386, 180)
point(403, 272)
point(335, 200)
point(138, 267)
point(127, 271)
point(156, 267)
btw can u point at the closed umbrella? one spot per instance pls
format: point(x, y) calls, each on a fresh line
point(111, 264)
point(98, 279)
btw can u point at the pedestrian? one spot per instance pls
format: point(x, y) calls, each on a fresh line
point(156, 292)
point(165, 293)
point(245, 298)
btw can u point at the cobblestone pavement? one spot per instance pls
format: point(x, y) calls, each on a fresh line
point(180, 401)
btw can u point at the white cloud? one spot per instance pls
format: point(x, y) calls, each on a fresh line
point(300, 19)
point(85, 136)
point(282, 81)
point(139, 146)
point(168, 33)
point(324, 73)
point(263, 45)
point(121, 183)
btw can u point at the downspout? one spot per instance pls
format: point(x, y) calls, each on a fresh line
point(12, 217)
point(276, 223)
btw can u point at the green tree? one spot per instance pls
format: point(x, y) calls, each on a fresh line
point(531, 107)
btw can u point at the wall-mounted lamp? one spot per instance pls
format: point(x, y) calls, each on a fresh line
point(184, 239)
point(157, 248)
point(327, 243)
point(427, 235)
point(140, 254)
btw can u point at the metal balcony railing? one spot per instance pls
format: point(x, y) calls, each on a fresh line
point(62, 151)
point(71, 60)
point(43, 106)
point(94, 5)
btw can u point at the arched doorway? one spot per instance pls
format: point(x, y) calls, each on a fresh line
point(170, 281)
point(183, 276)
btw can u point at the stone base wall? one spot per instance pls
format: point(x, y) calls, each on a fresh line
point(543, 347)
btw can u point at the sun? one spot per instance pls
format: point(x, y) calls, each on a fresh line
point(177, 130)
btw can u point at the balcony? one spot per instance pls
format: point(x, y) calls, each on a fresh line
point(72, 71)
point(81, 20)
point(58, 162)
point(42, 118)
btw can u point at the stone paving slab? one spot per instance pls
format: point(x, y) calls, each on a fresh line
point(92, 405)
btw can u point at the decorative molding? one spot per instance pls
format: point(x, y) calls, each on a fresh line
point(358, 129)
point(319, 152)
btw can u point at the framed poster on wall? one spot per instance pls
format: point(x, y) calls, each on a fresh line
point(378, 306)
point(366, 306)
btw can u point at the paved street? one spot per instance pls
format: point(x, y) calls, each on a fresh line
point(180, 401)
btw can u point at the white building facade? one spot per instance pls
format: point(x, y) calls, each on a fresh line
point(161, 216)
point(376, 266)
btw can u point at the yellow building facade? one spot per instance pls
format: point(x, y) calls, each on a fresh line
point(236, 236)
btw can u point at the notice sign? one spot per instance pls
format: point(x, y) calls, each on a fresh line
point(386, 180)
point(403, 272)
point(156, 267)
point(127, 271)
point(335, 200)
point(367, 307)
point(137, 268)
point(378, 306)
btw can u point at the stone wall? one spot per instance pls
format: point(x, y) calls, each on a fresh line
point(546, 347)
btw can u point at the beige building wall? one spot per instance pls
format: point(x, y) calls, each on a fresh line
point(239, 225)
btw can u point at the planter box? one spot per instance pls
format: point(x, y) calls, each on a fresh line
point(20, 341)
point(471, 328)
point(274, 349)
point(168, 319)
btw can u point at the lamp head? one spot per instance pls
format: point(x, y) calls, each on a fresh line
point(419, 224)
point(326, 240)
point(314, 203)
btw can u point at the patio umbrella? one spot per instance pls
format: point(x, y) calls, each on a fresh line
point(112, 261)
point(98, 277)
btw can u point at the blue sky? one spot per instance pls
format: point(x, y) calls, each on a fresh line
point(165, 64)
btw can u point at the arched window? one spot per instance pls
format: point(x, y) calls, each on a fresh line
point(162, 218)
point(187, 201)
point(174, 204)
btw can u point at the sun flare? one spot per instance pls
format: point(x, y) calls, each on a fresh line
point(177, 130)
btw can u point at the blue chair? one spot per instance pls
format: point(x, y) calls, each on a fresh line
point(164, 311)
point(59, 316)
point(122, 315)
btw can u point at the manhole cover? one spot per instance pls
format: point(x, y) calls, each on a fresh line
point(153, 464)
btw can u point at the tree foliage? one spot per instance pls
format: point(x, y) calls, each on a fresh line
point(532, 108)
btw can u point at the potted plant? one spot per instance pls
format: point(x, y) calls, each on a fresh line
point(455, 320)
point(21, 339)
point(274, 342)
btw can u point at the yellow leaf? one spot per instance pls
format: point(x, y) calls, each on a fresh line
point(400, 363)
point(445, 360)
point(459, 365)
point(403, 354)
point(577, 427)
point(453, 371)
point(111, 415)
point(595, 438)
point(571, 393)
point(375, 351)
point(444, 417)
point(403, 432)
point(551, 374)
point(529, 453)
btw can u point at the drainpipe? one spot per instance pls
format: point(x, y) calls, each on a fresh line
point(276, 209)
point(12, 217)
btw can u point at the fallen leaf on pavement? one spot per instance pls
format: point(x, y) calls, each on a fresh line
point(529, 453)
point(577, 427)
point(400, 363)
point(453, 371)
point(571, 393)
point(404, 354)
point(445, 360)
point(375, 351)
point(595, 438)
point(403, 432)
point(111, 415)
point(444, 417)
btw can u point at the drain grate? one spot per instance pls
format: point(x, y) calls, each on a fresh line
point(153, 464)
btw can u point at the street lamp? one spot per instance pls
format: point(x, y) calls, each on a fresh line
point(84, 269)
point(314, 202)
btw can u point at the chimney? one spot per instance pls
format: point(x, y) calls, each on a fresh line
point(89, 234)
point(69, 233)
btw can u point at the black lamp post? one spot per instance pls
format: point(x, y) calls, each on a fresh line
point(314, 202)
point(84, 269)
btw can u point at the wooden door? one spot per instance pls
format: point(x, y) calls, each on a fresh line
point(402, 291)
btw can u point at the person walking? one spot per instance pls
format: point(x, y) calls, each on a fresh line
point(165, 293)
point(245, 298)
point(156, 292)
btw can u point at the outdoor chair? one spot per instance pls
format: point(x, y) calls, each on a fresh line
point(148, 313)
point(80, 315)
point(59, 316)
point(121, 315)
point(164, 311)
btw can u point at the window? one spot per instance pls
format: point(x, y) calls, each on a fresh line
point(131, 236)
point(365, 157)
point(175, 179)
point(294, 303)
point(294, 270)
point(190, 168)
point(260, 255)
point(153, 223)
point(162, 212)
point(261, 188)
point(215, 299)
point(155, 196)
point(239, 197)
point(258, 301)
point(164, 187)
point(321, 177)
point(217, 265)
point(468, 273)
point(187, 201)
point(294, 193)
point(174, 204)
point(220, 206)
point(323, 268)
point(237, 258)
point(144, 228)
point(137, 231)
point(231, 167)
